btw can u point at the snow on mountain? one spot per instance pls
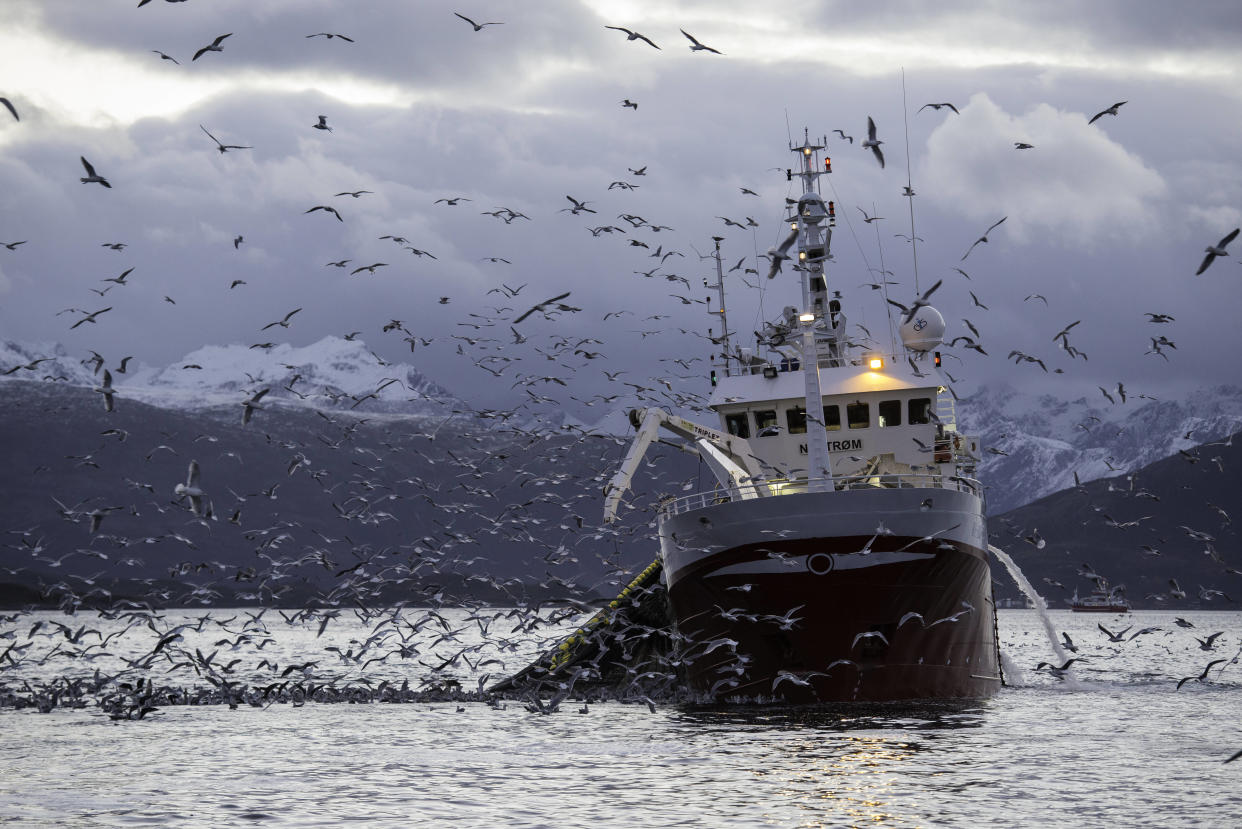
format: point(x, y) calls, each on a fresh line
point(1035, 444)
point(50, 363)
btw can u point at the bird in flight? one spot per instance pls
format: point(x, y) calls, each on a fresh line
point(872, 143)
point(478, 27)
point(541, 306)
point(695, 46)
point(920, 302)
point(9, 106)
point(94, 178)
point(323, 124)
point(1022, 145)
point(844, 137)
point(984, 237)
point(868, 219)
point(1212, 252)
point(223, 148)
point(1112, 110)
point(632, 35)
point(939, 105)
point(214, 46)
point(330, 35)
point(331, 210)
point(283, 323)
point(368, 268)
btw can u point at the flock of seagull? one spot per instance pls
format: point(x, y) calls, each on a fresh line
point(131, 694)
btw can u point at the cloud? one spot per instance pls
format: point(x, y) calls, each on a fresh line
point(1076, 184)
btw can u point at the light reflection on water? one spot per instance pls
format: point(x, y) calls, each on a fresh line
point(1123, 747)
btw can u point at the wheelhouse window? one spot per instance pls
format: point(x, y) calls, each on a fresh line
point(890, 413)
point(919, 410)
point(738, 425)
point(795, 420)
point(765, 423)
point(858, 415)
point(832, 418)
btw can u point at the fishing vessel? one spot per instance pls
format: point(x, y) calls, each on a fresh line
point(841, 553)
point(1101, 600)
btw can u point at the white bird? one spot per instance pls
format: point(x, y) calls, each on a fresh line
point(1112, 110)
point(1212, 251)
point(632, 35)
point(106, 390)
point(214, 46)
point(695, 46)
point(872, 143)
point(478, 27)
point(920, 302)
point(191, 489)
point(250, 404)
point(94, 178)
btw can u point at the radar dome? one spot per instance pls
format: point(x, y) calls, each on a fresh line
point(924, 331)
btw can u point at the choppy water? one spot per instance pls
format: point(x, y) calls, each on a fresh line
point(1116, 744)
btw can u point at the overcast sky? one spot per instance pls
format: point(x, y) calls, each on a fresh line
point(1106, 221)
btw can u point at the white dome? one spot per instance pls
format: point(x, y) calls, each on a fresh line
point(924, 331)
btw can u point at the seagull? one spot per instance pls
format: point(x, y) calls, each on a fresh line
point(166, 57)
point(632, 35)
point(453, 201)
point(632, 105)
point(1021, 145)
point(284, 323)
point(872, 143)
point(868, 219)
point(331, 210)
point(120, 280)
point(252, 402)
point(355, 193)
point(1201, 677)
point(237, 240)
point(920, 302)
point(844, 137)
point(368, 268)
point(578, 206)
point(330, 35)
point(12, 109)
point(90, 317)
point(1112, 110)
point(1212, 252)
point(107, 391)
point(1113, 637)
point(938, 106)
point(541, 306)
point(984, 238)
point(13, 245)
point(695, 46)
point(1058, 672)
point(478, 27)
point(323, 124)
point(223, 148)
point(191, 489)
point(94, 178)
point(214, 46)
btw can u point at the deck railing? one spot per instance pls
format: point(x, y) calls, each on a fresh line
point(776, 487)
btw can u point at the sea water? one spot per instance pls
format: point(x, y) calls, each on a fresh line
point(1117, 744)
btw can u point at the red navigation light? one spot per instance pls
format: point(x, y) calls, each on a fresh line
point(832, 210)
point(937, 355)
point(827, 164)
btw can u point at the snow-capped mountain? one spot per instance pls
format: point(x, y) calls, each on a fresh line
point(1034, 445)
point(329, 374)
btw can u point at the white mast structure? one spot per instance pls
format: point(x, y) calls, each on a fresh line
point(811, 222)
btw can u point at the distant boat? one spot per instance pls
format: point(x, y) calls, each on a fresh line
point(1101, 600)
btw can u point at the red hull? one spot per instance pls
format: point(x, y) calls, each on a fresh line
point(846, 641)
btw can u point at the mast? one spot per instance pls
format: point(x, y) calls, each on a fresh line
point(720, 309)
point(814, 235)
